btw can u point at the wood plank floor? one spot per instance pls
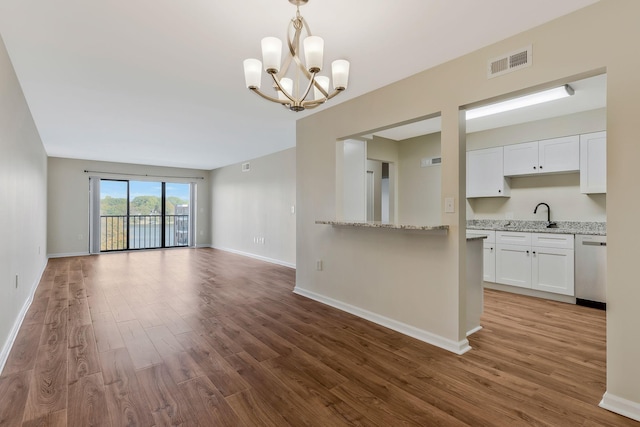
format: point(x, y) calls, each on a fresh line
point(203, 337)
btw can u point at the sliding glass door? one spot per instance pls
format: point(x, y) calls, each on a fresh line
point(144, 215)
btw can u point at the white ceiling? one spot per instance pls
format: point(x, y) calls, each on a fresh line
point(160, 82)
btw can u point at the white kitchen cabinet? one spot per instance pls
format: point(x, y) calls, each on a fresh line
point(559, 154)
point(541, 261)
point(552, 270)
point(593, 163)
point(513, 265)
point(489, 262)
point(485, 173)
point(489, 253)
point(546, 156)
point(521, 159)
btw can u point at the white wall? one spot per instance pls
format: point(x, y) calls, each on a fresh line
point(23, 205)
point(68, 207)
point(254, 205)
point(561, 192)
point(382, 272)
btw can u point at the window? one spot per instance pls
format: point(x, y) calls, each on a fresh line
point(143, 215)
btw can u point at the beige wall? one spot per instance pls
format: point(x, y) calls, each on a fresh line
point(256, 205)
point(383, 272)
point(23, 205)
point(561, 192)
point(68, 207)
point(419, 187)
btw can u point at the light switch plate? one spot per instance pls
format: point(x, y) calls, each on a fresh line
point(449, 206)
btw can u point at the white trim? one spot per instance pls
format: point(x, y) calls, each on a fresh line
point(474, 330)
point(459, 347)
point(620, 406)
point(260, 257)
point(8, 345)
point(64, 255)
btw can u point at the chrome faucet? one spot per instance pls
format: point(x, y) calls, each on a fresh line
point(549, 223)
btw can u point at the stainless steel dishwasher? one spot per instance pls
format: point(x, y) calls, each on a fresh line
point(591, 271)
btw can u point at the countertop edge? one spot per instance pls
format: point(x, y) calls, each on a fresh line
point(378, 225)
point(542, 230)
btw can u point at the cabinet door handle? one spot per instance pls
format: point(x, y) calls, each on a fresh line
point(534, 252)
point(540, 166)
point(499, 191)
point(534, 168)
point(527, 252)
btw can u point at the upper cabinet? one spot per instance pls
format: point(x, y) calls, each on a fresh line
point(484, 173)
point(489, 170)
point(546, 156)
point(593, 163)
point(521, 159)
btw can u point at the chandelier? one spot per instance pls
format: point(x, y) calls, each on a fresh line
point(291, 93)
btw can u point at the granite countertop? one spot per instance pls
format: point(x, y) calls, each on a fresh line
point(376, 224)
point(472, 237)
point(564, 227)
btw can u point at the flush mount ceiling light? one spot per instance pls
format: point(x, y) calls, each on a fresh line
point(288, 90)
point(523, 101)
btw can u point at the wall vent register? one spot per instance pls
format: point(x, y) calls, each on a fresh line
point(512, 61)
point(430, 161)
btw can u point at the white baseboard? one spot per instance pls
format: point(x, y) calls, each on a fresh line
point(620, 406)
point(8, 345)
point(64, 255)
point(203, 245)
point(474, 330)
point(260, 257)
point(459, 347)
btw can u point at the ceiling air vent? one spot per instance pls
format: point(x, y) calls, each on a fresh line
point(246, 167)
point(513, 61)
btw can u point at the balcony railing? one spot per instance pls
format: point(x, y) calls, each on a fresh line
point(121, 232)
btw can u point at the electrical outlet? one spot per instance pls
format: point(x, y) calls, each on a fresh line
point(293, 209)
point(319, 265)
point(16, 281)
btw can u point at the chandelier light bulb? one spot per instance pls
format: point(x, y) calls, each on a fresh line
point(313, 52)
point(287, 85)
point(252, 73)
point(271, 54)
point(323, 81)
point(340, 72)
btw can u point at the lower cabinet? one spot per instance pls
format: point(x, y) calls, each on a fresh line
point(552, 270)
point(488, 253)
point(489, 262)
point(513, 265)
point(540, 261)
